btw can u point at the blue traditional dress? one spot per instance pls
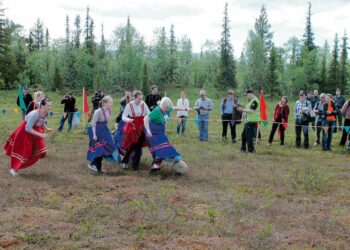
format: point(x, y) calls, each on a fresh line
point(104, 145)
point(158, 144)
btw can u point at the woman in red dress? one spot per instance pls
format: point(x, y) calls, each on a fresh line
point(134, 136)
point(26, 145)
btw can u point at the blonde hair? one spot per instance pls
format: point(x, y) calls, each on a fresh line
point(37, 94)
point(106, 99)
point(165, 103)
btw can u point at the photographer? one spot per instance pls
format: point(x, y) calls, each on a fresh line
point(302, 114)
point(69, 109)
point(96, 99)
point(125, 100)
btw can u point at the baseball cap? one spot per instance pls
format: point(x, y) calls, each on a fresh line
point(249, 91)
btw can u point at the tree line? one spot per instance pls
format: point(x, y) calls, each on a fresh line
point(83, 58)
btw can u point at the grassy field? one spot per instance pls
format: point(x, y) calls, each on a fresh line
point(278, 198)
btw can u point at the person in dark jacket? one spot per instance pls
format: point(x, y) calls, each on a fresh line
point(125, 100)
point(153, 98)
point(280, 119)
point(339, 101)
point(69, 109)
point(329, 118)
point(318, 110)
point(27, 98)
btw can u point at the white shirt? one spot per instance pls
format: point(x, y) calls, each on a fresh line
point(182, 104)
point(137, 109)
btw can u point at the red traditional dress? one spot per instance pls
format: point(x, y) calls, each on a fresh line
point(133, 131)
point(23, 148)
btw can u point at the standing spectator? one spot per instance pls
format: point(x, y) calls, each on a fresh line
point(227, 108)
point(38, 96)
point(339, 101)
point(252, 118)
point(96, 99)
point(27, 98)
point(69, 109)
point(182, 114)
point(153, 98)
point(315, 98)
point(329, 118)
point(280, 119)
point(346, 113)
point(318, 109)
point(302, 114)
point(125, 100)
point(203, 105)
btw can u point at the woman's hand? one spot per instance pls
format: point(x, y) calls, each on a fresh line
point(149, 133)
point(43, 135)
point(95, 137)
point(130, 120)
point(48, 129)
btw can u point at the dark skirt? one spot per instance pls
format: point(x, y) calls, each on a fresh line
point(104, 146)
point(159, 145)
point(118, 137)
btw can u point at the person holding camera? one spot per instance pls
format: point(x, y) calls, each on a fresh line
point(69, 109)
point(203, 105)
point(96, 99)
point(153, 98)
point(329, 114)
point(318, 111)
point(302, 114)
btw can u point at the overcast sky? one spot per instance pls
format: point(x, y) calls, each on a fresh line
point(198, 19)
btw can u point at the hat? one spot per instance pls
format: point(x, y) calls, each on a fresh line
point(249, 91)
point(230, 91)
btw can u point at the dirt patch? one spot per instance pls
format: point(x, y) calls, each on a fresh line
point(8, 240)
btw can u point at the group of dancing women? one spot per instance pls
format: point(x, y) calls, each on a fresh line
point(137, 127)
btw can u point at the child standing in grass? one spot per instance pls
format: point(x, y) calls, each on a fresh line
point(101, 144)
point(158, 142)
point(26, 145)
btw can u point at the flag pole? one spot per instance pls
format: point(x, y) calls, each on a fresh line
point(257, 134)
point(83, 111)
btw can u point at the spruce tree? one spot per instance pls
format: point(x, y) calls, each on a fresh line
point(333, 75)
point(31, 41)
point(309, 35)
point(272, 76)
point(38, 35)
point(323, 74)
point(344, 63)
point(145, 79)
point(67, 33)
point(77, 32)
point(173, 60)
point(47, 38)
point(262, 29)
point(226, 74)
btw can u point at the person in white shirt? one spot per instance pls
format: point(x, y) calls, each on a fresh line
point(182, 115)
point(134, 136)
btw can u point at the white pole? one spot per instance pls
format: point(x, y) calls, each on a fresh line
point(257, 134)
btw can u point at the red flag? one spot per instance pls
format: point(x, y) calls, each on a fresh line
point(85, 103)
point(263, 107)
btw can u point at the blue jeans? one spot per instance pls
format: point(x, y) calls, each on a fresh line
point(203, 127)
point(327, 137)
point(62, 121)
point(181, 126)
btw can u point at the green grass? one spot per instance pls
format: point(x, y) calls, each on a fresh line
point(278, 198)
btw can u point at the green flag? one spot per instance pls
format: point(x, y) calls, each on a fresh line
point(22, 105)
